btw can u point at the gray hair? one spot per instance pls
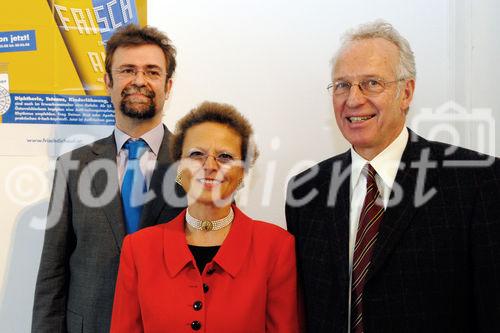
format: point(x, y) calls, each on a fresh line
point(382, 29)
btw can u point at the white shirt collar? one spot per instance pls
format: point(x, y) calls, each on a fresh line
point(386, 164)
point(153, 138)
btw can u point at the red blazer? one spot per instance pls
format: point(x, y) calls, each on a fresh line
point(250, 285)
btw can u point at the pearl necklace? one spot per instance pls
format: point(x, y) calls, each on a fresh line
point(210, 225)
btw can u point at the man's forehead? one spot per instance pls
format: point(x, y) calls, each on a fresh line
point(378, 44)
point(366, 58)
point(146, 55)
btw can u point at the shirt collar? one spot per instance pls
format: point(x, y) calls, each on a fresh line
point(229, 257)
point(386, 164)
point(153, 138)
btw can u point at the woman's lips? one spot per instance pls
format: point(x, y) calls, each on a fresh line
point(209, 181)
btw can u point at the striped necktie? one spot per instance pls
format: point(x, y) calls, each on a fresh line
point(133, 185)
point(369, 222)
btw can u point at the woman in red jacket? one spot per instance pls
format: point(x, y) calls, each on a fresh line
point(212, 269)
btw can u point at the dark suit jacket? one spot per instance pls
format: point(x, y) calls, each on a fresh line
point(436, 262)
point(79, 263)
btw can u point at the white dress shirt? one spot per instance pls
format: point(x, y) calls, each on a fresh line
point(386, 164)
point(147, 161)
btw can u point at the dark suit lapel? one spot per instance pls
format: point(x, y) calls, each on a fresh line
point(108, 181)
point(154, 207)
point(398, 217)
point(338, 215)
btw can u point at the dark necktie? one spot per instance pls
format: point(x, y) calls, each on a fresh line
point(369, 222)
point(133, 185)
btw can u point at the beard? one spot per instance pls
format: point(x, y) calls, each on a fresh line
point(138, 110)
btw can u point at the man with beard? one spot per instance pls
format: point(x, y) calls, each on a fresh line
point(108, 189)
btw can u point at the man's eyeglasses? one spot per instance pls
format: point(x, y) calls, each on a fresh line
point(127, 73)
point(224, 159)
point(369, 87)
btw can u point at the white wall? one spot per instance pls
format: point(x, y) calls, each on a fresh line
point(270, 58)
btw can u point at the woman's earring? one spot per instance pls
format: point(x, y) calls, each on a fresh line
point(178, 178)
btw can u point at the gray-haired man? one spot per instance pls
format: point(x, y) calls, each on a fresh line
point(398, 234)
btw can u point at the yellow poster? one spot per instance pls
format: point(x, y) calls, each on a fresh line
point(52, 59)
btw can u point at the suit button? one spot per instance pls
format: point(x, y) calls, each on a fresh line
point(195, 325)
point(205, 288)
point(211, 271)
point(197, 306)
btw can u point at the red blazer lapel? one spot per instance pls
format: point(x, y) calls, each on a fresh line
point(175, 249)
point(231, 255)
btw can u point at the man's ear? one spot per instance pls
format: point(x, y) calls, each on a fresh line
point(168, 88)
point(407, 94)
point(109, 82)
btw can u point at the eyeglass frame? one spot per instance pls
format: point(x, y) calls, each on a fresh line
point(202, 160)
point(359, 84)
point(135, 71)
